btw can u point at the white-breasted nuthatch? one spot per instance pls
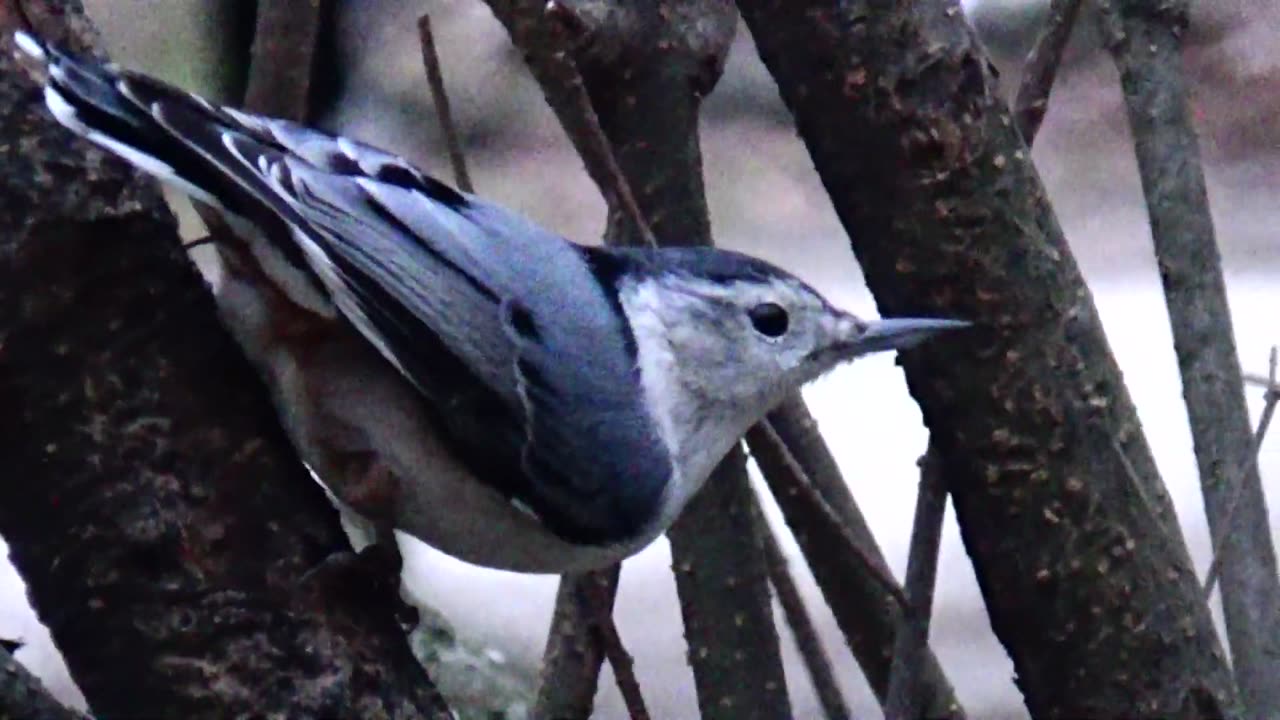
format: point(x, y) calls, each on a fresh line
point(447, 367)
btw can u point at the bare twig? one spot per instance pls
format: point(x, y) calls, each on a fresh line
point(909, 650)
point(1042, 67)
point(24, 697)
point(593, 144)
point(598, 597)
point(575, 649)
point(582, 635)
point(435, 80)
point(284, 54)
point(816, 661)
point(1145, 43)
point(582, 630)
point(794, 483)
point(863, 595)
point(1237, 486)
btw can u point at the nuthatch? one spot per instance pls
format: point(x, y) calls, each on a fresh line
point(447, 367)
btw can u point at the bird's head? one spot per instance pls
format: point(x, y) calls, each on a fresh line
point(729, 335)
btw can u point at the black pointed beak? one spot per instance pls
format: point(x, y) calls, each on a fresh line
point(900, 333)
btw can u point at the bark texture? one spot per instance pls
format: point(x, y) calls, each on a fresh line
point(1145, 39)
point(151, 502)
point(1073, 538)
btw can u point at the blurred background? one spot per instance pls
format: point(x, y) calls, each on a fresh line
point(766, 200)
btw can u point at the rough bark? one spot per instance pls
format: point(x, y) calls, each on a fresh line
point(645, 70)
point(1075, 546)
point(151, 501)
point(1145, 39)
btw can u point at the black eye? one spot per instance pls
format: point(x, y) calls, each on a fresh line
point(769, 319)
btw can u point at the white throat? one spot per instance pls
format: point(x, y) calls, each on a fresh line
point(697, 433)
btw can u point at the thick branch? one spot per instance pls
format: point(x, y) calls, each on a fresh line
point(151, 502)
point(1091, 591)
point(1145, 41)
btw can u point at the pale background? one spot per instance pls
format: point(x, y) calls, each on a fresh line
point(766, 200)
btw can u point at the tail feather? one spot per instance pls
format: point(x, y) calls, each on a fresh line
point(242, 165)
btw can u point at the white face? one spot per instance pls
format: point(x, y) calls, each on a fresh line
point(715, 357)
point(747, 340)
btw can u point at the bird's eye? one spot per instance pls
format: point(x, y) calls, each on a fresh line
point(769, 319)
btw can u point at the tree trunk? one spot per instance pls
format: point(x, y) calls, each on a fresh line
point(151, 502)
point(1073, 538)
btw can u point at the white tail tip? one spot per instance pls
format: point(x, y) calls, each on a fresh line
point(29, 45)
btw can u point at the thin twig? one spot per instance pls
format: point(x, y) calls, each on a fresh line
point(816, 661)
point(762, 438)
point(435, 80)
point(599, 597)
point(575, 649)
point(903, 702)
point(867, 616)
point(1042, 67)
point(199, 242)
point(1260, 434)
point(1146, 43)
point(597, 149)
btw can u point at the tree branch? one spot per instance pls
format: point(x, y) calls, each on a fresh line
point(1270, 401)
point(1145, 41)
point(851, 573)
point(284, 54)
point(152, 503)
point(1042, 67)
point(440, 98)
point(575, 646)
point(910, 647)
point(816, 661)
point(902, 117)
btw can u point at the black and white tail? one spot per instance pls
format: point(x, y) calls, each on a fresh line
point(166, 131)
point(241, 164)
